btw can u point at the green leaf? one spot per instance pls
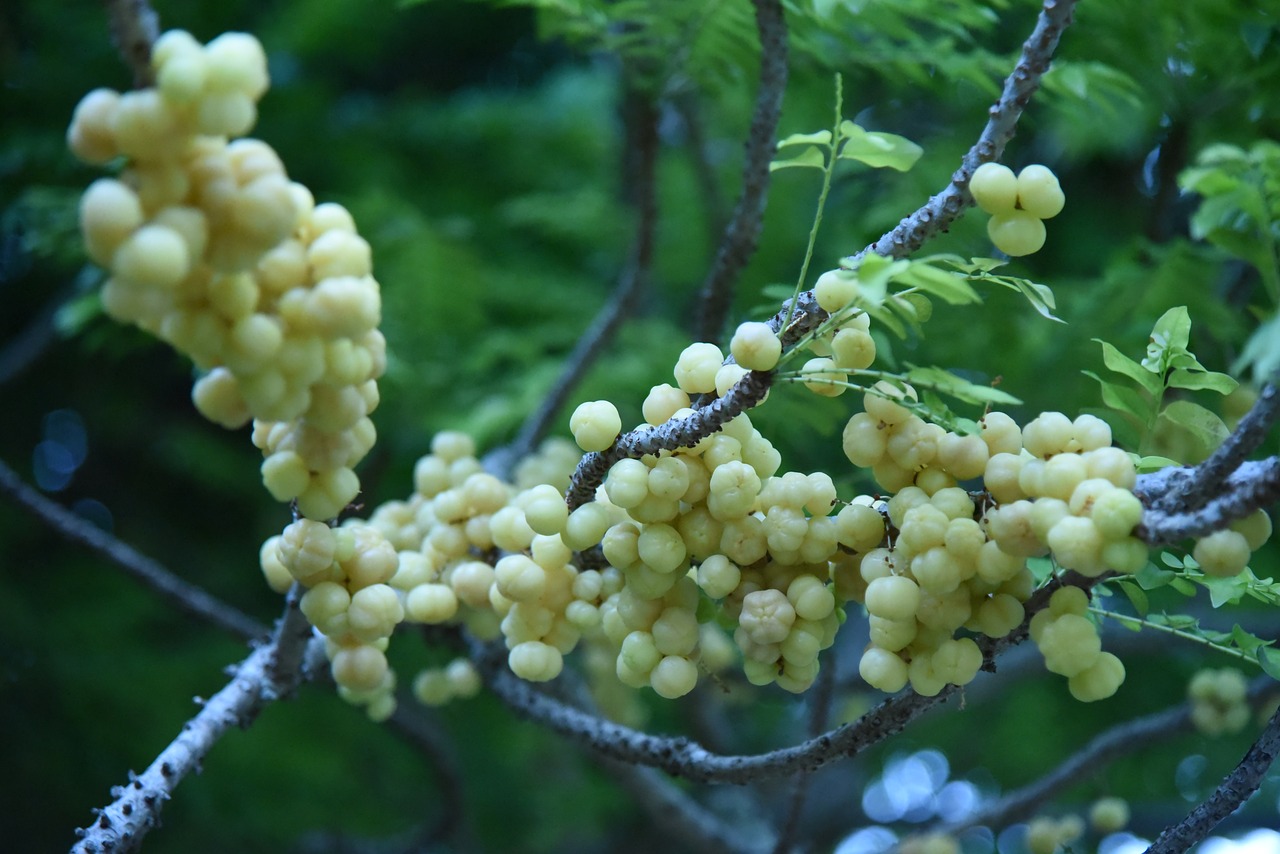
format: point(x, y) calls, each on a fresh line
point(1224, 591)
point(1269, 659)
point(1137, 597)
point(878, 150)
point(77, 313)
point(1186, 588)
point(1261, 352)
point(923, 307)
point(822, 137)
point(810, 158)
point(949, 287)
point(1122, 364)
point(1154, 463)
point(1245, 641)
point(1196, 380)
point(958, 387)
point(1206, 427)
point(1170, 335)
point(1122, 399)
point(1152, 577)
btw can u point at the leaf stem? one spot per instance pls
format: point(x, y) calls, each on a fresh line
point(1125, 619)
point(827, 173)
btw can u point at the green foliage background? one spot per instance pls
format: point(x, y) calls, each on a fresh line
point(483, 164)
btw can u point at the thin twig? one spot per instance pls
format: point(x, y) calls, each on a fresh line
point(184, 595)
point(1107, 747)
point(684, 758)
point(677, 433)
point(680, 756)
point(819, 715)
point(644, 142)
point(944, 208)
point(910, 234)
point(135, 26)
point(1235, 789)
point(260, 679)
point(743, 232)
point(681, 817)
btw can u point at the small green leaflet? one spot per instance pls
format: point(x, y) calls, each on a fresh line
point(1123, 399)
point(876, 149)
point(822, 137)
point(1122, 364)
point(811, 157)
point(949, 287)
point(1269, 660)
point(949, 384)
point(1206, 427)
point(1169, 337)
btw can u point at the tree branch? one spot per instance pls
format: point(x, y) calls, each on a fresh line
point(643, 117)
point(683, 818)
point(1107, 747)
point(684, 758)
point(944, 208)
point(1235, 789)
point(936, 215)
point(677, 433)
point(1180, 488)
point(182, 594)
point(743, 231)
point(1255, 484)
point(135, 26)
point(261, 678)
point(819, 716)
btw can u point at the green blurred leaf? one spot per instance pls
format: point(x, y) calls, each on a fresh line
point(1205, 426)
point(1196, 380)
point(1170, 335)
point(822, 137)
point(1122, 399)
point(810, 158)
point(1122, 364)
point(950, 287)
point(1269, 659)
point(1137, 597)
point(876, 149)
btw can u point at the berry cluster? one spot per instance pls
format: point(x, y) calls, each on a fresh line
point(1069, 642)
point(1017, 204)
point(214, 250)
point(1219, 701)
point(1045, 834)
point(1109, 815)
point(354, 578)
point(1055, 486)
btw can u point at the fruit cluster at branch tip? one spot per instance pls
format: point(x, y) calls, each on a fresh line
point(1018, 204)
point(1219, 701)
point(214, 250)
point(1046, 835)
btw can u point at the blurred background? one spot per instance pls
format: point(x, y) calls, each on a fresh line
point(480, 148)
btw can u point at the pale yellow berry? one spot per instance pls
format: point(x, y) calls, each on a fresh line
point(1016, 232)
point(595, 425)
point(836, 289)
point(994, 188)
point(755, 346)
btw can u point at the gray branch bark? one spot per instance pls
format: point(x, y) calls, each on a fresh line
point(1235, 789)
point(185, 596)
point(271, 672)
